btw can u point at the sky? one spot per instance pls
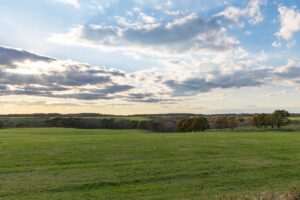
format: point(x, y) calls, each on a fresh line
point(145, 57)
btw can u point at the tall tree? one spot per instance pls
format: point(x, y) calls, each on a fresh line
point(199, 124)
point(192, 124)
point(179, 125)
point(280, 118)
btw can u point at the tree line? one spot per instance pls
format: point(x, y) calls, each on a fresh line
point(278, 119)
point(166, 125)
point(186, 123)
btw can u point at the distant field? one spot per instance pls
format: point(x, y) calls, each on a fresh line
point(113, 164)
point(295, 118)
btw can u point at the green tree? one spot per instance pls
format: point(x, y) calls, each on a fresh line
point(270, 120)
point(186, 126)
point(204, 124)
point(260, 120)
point(280, 118)
point(179, 125)
point(192, 124)
point(199, 124)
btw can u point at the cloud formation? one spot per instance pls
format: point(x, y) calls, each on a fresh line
point(290, 71)
point(290, 22)
point(235, 79)
point(252, 12)
point(74, 3)
point(185, 34)
point(26, 73)
point(9, 56)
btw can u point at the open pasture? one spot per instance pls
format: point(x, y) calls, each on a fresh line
point(75, 164)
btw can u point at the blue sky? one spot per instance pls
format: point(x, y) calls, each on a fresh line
point(140, 56)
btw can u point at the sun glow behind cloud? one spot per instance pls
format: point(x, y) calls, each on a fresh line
point(35, 68)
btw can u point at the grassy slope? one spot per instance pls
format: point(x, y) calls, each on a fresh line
point(111, 164)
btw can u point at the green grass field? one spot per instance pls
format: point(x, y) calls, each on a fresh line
point(295, 118)
point(114, 164)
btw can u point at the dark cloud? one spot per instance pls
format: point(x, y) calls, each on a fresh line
point(146, 98)
point(113, 89)
point(236, 79)
point(84, 94)
point(66, 78)
point(112, 72)
point(290, 72)
point(3, 87)
point(9, 56)
point(140, 96)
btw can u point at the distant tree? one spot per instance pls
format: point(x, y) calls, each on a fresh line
point(179, 125)
point(260, 120)
point(270, 120)
point(192, 124)
point(280, 118)
point(232, 122)
point(157, 126)
point(169, 125)
point(255, 121)
point(143, 125)
point(241, 119)
point(186, 126)
point(200, 124)
point(264, 120)
point(1, 124)
point(54, 122)
point(220, 122)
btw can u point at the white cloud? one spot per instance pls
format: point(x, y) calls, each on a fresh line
point(97, 6)
point(74, 3)
point(252, 12)
point(147, 19)
point(188, 34)
point(276, 44)
point(143, 17)
point(137, 18)
point(290, 22)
